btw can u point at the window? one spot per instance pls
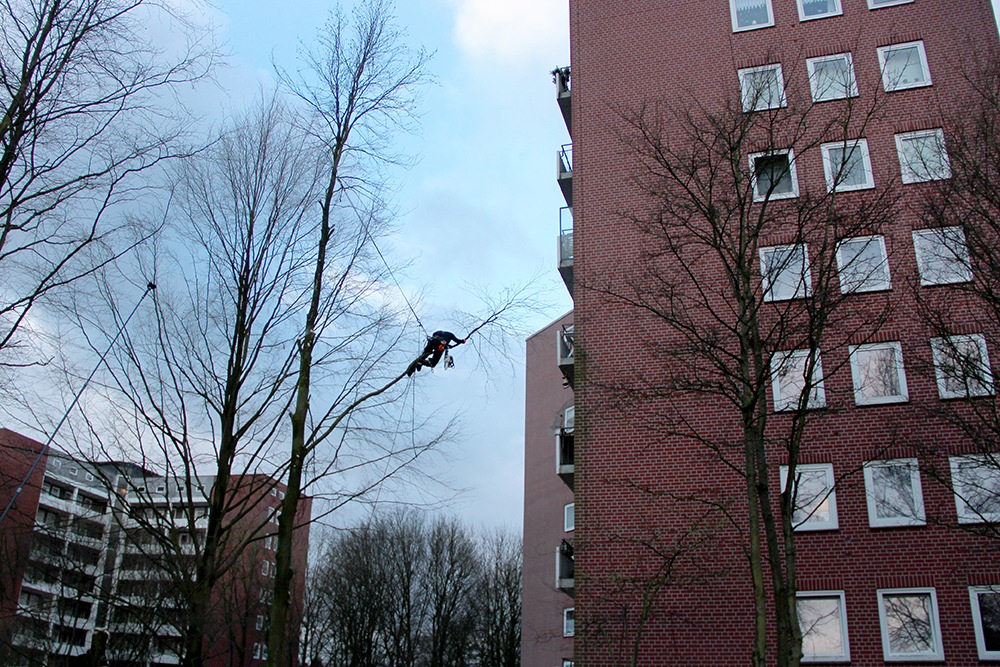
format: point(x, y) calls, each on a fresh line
point(568, 622)
point(773, 175)
point(847, 166)
point(815, 498)
point(569, 517)
point(832, 77)
point(863, 264)
point(877, 371)
point(962, 366)
point(975, 480)
point(876, 4)
point(922, 156)
point(260, 621)
point(762, 88)
point(942, 256)
point(751, 14)
point(894, 494)
point(823, 621)
point(567, 663)
point(788, 380)
point(986, 620)
point(784, 270)
point(817, 9)
point(904, 66)
point(910, 627)
point(264, 568)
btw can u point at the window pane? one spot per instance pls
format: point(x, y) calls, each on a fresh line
point(773, 175)
point(751, 12)
point(863, 265)
point(847, 166)
point(876, 372)
point(989, 616)
point(789, 380)
point(922, 157)
point(961, 366)
point(785, 271)
point(762, 88)
point(812, 497)
point(903, 67)
point(942, 256)
point(976, 481)
point(908, 623)
point(892, 491)
point(831, 78)
point(819, 620)
point(812, 8)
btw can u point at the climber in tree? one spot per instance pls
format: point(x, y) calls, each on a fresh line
point(433, 351)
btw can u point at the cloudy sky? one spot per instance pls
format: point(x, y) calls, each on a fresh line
point(481, 205)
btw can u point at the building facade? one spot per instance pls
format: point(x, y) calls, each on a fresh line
point(104, 552)
point(769, 320)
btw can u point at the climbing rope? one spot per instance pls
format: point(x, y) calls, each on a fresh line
point(392, 275)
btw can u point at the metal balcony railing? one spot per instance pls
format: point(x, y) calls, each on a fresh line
point(565, 567)
point(564, 172)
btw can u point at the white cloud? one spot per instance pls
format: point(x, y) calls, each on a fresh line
point(513, 30)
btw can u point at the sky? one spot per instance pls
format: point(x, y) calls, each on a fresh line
point(480, 207)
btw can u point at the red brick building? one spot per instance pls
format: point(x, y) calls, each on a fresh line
point(835, 108)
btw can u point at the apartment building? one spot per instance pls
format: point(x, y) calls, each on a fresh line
point(809, 136)
point(103, 552)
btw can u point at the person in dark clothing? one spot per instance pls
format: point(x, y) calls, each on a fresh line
point(434, 350)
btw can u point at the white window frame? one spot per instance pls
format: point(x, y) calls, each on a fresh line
point(569, 622)
point(763, 196)
point(941, 351)
point(966, 514)
point(569, 517)
point(802, 15)
point(851, 90)
point(907, 172)
point(947, 238)
point(977, 620)
point(845, 654)
point(803, 288)
point(866, 283)
point(831, 170)
point(817, 398)
point(875, 4)
point(567, 662)
point(857, 377)
point(876, 521)
point(738, 28)
point(830, 496)
point(935, 622)
point(887, 83)
point(749, 98)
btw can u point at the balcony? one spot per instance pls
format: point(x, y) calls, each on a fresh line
point(566, 247)
point(565, 354)
point(565, 568)
point(565, 463)
point(561, 78)
point(564, 172)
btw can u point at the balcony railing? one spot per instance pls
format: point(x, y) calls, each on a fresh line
point(564, 172)
point(565, 352)
point(565, 568)
point(561, 77)
point(566, 247)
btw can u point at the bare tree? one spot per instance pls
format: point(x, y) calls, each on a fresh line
point(957, 291)
point(777, 246)
point(498, 598)
point(198, 393)
point(81, 118)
